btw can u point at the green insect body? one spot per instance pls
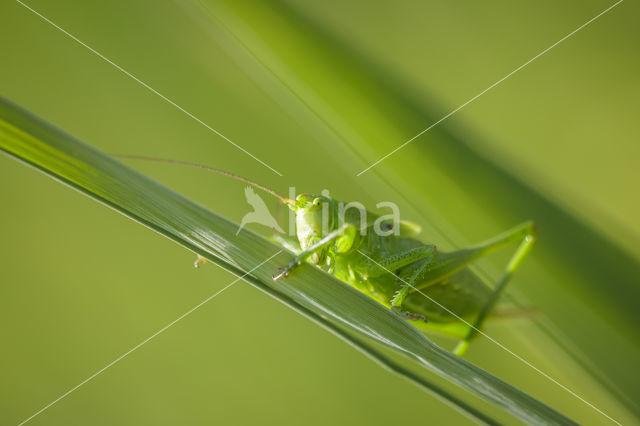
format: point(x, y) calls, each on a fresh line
point(434, 290)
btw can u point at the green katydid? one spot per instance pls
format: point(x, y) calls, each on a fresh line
point(434, 290)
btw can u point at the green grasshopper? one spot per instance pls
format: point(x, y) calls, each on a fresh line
point(434, 290)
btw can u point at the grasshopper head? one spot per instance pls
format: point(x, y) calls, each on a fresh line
point(316, 216)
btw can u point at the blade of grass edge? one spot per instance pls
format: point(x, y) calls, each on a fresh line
point(33, 141)
point(382, 360)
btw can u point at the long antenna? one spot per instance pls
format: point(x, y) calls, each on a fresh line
point(210, 169)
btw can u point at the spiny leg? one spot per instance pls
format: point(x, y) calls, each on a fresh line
point(527, 240)
point(408, 278)
point(421, 257)
point(343, 231)
point(399, 260)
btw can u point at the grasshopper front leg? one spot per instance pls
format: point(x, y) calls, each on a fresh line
point(345, 232)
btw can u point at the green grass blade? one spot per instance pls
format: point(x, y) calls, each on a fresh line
point(384, 361)
point(84, 168)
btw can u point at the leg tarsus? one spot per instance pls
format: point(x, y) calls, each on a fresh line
point(409, 315)
point(284, 272)
point(200, 261)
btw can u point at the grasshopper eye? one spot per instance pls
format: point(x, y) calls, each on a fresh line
point(316, 201)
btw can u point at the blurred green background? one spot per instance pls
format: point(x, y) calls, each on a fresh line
point(319, 91)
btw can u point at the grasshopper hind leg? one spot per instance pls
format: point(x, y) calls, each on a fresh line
point(525, 234)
